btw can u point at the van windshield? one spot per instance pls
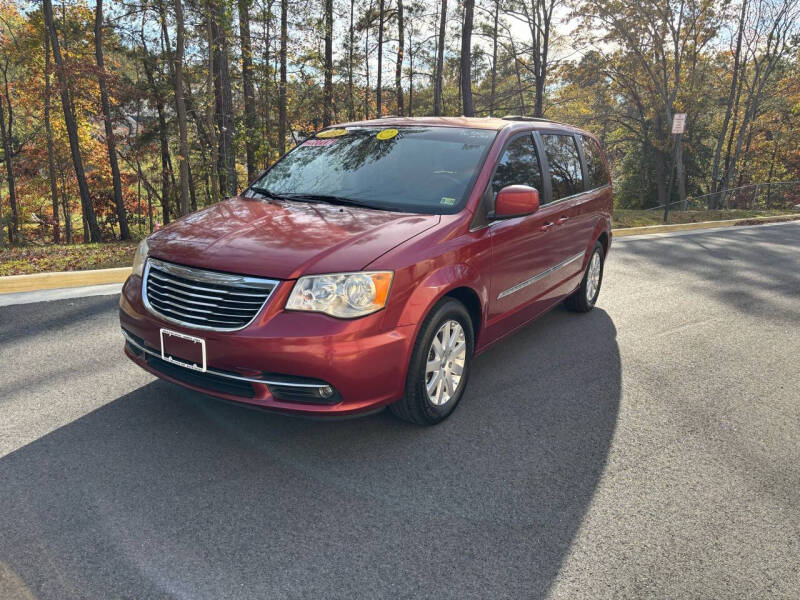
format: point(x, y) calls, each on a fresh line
point(408, 169)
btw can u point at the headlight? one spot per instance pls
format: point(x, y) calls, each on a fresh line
point(139, 258)
point(343, 295)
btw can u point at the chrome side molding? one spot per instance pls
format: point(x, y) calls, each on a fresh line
point(542, 275)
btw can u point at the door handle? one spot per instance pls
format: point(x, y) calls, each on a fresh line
point(563, 220)
point(547, 226)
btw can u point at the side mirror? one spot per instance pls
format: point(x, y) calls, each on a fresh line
point(515, 201)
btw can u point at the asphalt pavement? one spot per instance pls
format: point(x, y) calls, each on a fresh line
point(648, 449)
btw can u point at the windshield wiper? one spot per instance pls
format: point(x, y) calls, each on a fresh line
point(266, 193)
point(327, 198)
point(330, 199)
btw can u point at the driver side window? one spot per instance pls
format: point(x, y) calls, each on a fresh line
point(519, 165)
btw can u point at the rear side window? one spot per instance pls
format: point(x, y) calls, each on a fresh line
point(565, 165)
point(598, 175)
point(519, 165)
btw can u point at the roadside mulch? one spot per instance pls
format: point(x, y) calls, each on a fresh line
point(43, 259)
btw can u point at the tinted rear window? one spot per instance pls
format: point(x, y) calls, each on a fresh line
point(598, 175)
point(565, 164)
point(413, 169)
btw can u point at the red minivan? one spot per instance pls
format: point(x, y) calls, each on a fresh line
point(371, 263)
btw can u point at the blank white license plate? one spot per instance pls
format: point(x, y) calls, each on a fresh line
point(184, 350)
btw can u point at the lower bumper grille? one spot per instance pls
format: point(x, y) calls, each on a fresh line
point(207, 381)
point(287, 388)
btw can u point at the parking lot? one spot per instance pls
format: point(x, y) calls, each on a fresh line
point(650, 448)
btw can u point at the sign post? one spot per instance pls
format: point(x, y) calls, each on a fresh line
point(678, 129)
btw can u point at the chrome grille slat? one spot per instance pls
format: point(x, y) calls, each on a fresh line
point(203, 299)
point(218, 305)
point(158, 290)
point(198, 309)
point(170, 315)
point(177, 281)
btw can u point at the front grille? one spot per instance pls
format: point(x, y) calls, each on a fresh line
point(207, 381)
point(203, 299)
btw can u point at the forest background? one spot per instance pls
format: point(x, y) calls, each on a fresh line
point(117, 117)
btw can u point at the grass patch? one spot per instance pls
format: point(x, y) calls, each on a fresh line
point(80, 257)
point(642, 218)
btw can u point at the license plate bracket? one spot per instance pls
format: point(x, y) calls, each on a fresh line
point(183, 350)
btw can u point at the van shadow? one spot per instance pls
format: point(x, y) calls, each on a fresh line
point(165, 493)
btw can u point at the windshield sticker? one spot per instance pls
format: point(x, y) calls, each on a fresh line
point(447, 201)
point(332, 133)
point(387, 134)
point(318, 142)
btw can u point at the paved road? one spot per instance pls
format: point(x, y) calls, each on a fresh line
point(648, 449)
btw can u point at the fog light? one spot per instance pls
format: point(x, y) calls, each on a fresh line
point(304, 390)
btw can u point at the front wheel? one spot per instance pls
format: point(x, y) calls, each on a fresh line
point(584, 298)
point(439, 367)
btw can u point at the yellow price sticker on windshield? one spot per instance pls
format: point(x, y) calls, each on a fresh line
point(331, 133)
point(387, 134)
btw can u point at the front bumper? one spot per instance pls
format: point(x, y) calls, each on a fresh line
point(283, 359)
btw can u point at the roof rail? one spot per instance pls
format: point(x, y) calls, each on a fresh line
point(523, 118)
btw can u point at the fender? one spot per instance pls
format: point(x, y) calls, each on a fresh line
point(437, 284)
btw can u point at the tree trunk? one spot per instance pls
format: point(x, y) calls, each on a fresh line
point(180, 109)
point(48, 129)
point(250, 125)
point(379, 90)
point(539, 17)
point(192, 196)
point(410, 74)
point(729, 107)
point(492, 94)
point(437, 74)
point(519, 78)
point(212, 128)
point(166, 175)
point(282, 87)
point(72, 126)
point(327, 100)
point(350, 48)
point(264, 88)
point(6, 130)
point(65, 207)
point(466, 59)
point(367, 92)
point(398, 72)
point(111, 145)
point(224, 101)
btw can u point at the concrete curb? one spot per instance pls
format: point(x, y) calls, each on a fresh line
point(626, 231)
point(105, 289)
point(68, 279)
point(64, 279)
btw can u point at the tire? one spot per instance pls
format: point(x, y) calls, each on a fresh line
point(418, 405)
point(583, 299)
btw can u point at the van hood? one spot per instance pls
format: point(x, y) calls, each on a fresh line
point(284, 239)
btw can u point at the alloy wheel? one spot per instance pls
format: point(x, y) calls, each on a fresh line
point(593, 277)
point(445, 362)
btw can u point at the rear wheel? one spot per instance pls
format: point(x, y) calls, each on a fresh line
point(583, 299)
point(440, 364)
